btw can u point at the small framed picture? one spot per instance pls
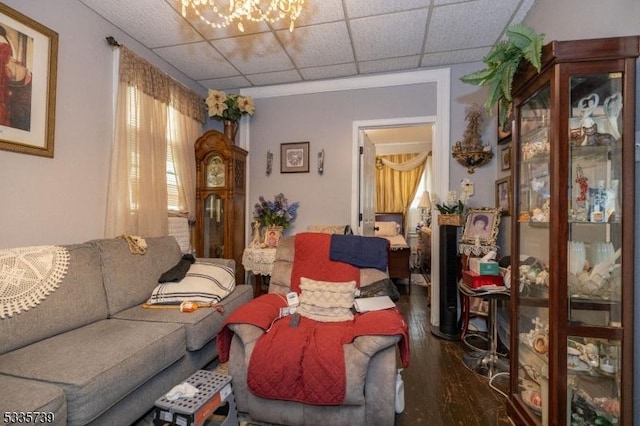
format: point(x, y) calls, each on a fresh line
point(294, 157)
point(503, 195)
point(481, 226)
point(504, 131)
point(272, 237)
point(505, 158)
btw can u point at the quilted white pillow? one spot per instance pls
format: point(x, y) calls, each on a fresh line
point(386, 229)
point(204, 282)
point(326, 301)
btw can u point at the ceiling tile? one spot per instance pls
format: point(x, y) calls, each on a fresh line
point(386, 65)
point(454, 57)
point(331, 71)
point(256, 53)
point(315, 12)
point(466, 25)
point(165, 27)
point(226, 83)
point(279, 77)
point(318, 45)
point(199, 60)
point(359, 8)
point(392, 35)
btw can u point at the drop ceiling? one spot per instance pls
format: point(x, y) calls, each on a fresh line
point(332, 38)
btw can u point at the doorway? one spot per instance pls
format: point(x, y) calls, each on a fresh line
point(440, 181)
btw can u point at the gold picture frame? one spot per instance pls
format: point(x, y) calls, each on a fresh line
point(28, 119)
point(294, 157)
point(481, 226)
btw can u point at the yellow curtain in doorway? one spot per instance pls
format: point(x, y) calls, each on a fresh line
point(395, 189)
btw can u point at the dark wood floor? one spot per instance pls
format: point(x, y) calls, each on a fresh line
point(438, 388)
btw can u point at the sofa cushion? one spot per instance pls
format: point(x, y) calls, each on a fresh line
point(79, 300)
point(23, 396)
point(204, 282)
point(99, 364)
point(326, 301)
point(201, 325)
point(179, 271)
point(129, 278)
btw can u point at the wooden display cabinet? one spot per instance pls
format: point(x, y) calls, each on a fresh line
point(571, 359)
point(220, 199)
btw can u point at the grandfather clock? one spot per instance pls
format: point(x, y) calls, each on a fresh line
point(220, 199)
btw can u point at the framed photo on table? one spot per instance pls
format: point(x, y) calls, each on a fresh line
point(503, 195)
point(481, 226)
point(294, 157)
point(27, 114)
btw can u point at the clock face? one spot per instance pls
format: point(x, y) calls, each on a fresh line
point(215, 172)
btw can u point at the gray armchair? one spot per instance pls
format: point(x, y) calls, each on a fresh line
point(370, 368)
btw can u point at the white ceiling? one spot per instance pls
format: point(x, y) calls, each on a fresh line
point(332, 38)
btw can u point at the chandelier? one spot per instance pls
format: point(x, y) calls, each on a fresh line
point(222, 13)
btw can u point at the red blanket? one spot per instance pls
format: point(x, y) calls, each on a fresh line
point(311, 260)
point(305, 363)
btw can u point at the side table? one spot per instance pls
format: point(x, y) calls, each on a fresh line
point(259, 262)
point(488, 363)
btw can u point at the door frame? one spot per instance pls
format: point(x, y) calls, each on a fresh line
point(440, 173)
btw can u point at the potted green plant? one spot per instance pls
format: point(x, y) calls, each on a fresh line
point(503, 61)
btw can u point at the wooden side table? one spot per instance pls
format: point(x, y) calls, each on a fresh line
point(259, 262)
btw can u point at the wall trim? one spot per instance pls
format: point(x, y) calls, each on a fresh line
point(350, 83)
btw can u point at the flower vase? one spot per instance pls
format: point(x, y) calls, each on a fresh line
point(230, 130)
point(272, 235)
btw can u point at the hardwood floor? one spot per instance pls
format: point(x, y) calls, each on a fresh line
point(438, 388)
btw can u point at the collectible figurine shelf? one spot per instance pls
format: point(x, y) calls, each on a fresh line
point(573, 235)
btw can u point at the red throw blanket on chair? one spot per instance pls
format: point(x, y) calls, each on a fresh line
point(311, 260)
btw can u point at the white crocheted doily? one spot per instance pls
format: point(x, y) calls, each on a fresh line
point(28, 275)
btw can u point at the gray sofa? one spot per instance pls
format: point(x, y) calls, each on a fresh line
point(89, 352)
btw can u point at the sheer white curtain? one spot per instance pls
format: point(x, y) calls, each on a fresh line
point(155, 117)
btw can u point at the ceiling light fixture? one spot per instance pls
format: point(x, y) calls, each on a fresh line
point(222, 13)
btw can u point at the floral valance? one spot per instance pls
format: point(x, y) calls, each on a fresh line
point(140, 73)
point(411, 164)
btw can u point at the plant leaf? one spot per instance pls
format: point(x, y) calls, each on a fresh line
point(478, 78)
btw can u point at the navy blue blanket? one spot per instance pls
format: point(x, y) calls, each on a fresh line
point(363, 252)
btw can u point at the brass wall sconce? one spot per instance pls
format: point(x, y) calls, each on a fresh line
point(472, 159)
point(269, 162)
point(470, 152)
point(321, 162)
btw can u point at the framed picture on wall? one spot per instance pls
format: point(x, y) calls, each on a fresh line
point(505, 158)
point(27, 115)
point(503, 195)
point(504, 131)
point(294, 157)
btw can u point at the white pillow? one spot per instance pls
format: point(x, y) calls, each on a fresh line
point(326, 301)
point(386, 229)
point(204, 282)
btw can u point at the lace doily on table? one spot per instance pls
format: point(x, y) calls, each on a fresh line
point(28, 275)
point(259, 260)
point(474, 249)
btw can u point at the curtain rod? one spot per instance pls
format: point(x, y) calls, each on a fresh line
point(112, 41)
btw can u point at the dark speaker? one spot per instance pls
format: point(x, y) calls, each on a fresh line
point(449, 276)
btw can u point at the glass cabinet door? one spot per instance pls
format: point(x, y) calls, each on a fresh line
point(533, 236)
point(594, 248)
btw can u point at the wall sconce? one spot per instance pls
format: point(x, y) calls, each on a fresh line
point(471, 153)
point(269, 162)
point(321, 162)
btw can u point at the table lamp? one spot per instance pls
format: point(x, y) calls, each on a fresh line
point(425, 205)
